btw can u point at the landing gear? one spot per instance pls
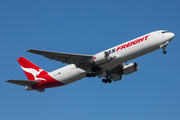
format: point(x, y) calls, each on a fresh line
point(90, 75)
point(164, 51)
point(106, 80)
point(164, 47)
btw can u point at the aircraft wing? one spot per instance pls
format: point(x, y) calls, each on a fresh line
point(24, 82)
point(68, 58)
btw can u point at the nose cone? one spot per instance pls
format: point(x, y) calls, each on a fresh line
point(169, 36)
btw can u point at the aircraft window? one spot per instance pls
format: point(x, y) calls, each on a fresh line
point(165, 31)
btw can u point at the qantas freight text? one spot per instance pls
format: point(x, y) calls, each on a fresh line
point(105, 65)
point(129, 44)
point(132, 43)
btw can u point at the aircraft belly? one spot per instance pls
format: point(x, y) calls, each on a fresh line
point(72, 76)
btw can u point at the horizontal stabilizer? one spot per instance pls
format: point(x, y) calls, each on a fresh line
point(24, 82)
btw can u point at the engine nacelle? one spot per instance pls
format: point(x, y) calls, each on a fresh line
point(130, 68)
point(101, 58)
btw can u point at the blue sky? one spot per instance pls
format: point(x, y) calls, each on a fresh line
point(88, 27)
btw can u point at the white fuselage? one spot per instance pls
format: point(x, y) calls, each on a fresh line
point(119, 54)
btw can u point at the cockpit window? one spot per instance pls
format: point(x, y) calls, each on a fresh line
point(165, 31)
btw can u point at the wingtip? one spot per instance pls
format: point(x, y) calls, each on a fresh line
point(29, 50)
point(7, 81)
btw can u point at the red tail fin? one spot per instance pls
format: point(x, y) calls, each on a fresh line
point(32, 71)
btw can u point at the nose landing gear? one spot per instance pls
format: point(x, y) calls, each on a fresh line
point(164, 47)
point(164, 51)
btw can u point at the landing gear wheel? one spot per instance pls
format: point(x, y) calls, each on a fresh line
point(90, 75)
point(109, 80)
point(87, 75)
point(106, 80)
point(164, 52)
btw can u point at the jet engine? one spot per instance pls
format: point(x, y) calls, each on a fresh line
point(101, 58)
point(130, 68)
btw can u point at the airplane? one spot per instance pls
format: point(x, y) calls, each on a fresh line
point(108, 64)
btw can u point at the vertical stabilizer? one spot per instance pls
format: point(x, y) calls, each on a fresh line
point(32, 71)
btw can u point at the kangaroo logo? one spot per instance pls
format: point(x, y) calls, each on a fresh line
point(34, 72)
